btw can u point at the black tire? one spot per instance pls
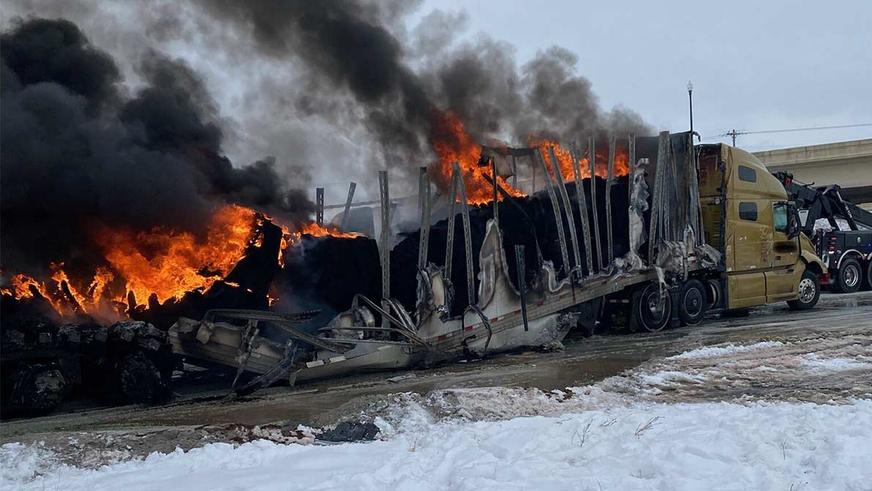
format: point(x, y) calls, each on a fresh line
point(848, 277)
point(37, 389)
point(692, 303)
point(807, 298)
point(140, 380)
point(648, 312)
point(714, 294)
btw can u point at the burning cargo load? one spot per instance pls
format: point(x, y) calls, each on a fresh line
point(159, 275)
point(59, 339)
point(527, 221)
point(446, 301)
point(281, 312)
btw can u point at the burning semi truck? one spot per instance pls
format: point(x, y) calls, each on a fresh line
point(636, 233)
point(681, 232)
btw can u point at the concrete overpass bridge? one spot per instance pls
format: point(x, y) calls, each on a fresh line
point(848, 164)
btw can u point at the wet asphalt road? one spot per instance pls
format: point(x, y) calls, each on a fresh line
point(584, 361)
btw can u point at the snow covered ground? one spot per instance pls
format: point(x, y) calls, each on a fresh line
point(645, 446)
point(766, 415)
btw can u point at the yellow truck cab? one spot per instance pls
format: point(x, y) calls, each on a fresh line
point(747, 216)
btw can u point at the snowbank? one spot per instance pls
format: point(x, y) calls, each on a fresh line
point(657, 426)
point(640, 446)
point(814, 362)
point(727, 349)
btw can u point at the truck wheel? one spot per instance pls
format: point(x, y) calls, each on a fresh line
point(809, 292)
point(141, 381)
point(713, 289)
point(37, 389)
point(649, 311)
point(848, 277)
point(692, 303)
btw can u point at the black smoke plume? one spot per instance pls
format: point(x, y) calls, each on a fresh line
point(78, 146)
point(348, 47)
point(76, 151)
point(351, 47)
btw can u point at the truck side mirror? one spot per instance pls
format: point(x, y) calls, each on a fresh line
point(793, 226)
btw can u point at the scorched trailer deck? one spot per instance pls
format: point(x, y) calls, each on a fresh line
point(707, 229)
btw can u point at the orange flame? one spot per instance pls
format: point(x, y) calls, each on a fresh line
point(316, 230)
point(168, 263)
point(60, 292)
point(162, 263)
point(452, 144)
point(564, 160)
point(290, 238)
point(24, 286)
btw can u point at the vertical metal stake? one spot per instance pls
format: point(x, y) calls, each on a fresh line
point(319, 206)
point(567, 206)
point(522, 282)
point(610, 253)
point(558, 216)
point(591, 146)
point(424, 200)
point(533, 166)
point(467, 236)
point(631, 143)
point(496, 201)
point(449, 241)
point(351, 187)
point(385, 242)
point(582, 209)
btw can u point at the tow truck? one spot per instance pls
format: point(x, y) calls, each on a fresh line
point(840, 231)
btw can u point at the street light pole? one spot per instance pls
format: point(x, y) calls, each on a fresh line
point(690, 101)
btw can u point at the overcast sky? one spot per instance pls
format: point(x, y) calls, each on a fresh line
point(755, 65)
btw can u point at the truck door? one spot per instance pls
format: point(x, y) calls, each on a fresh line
point(781, 278)
point(751, 241)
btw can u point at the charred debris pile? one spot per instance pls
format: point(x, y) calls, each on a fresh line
point(310, 278)
point(50, 354)
point(527, 221)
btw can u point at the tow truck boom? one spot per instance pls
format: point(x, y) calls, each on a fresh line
point(846, 253)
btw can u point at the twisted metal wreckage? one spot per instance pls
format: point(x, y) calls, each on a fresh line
point(499, 315)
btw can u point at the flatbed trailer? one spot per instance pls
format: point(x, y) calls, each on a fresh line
point(709, 230)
